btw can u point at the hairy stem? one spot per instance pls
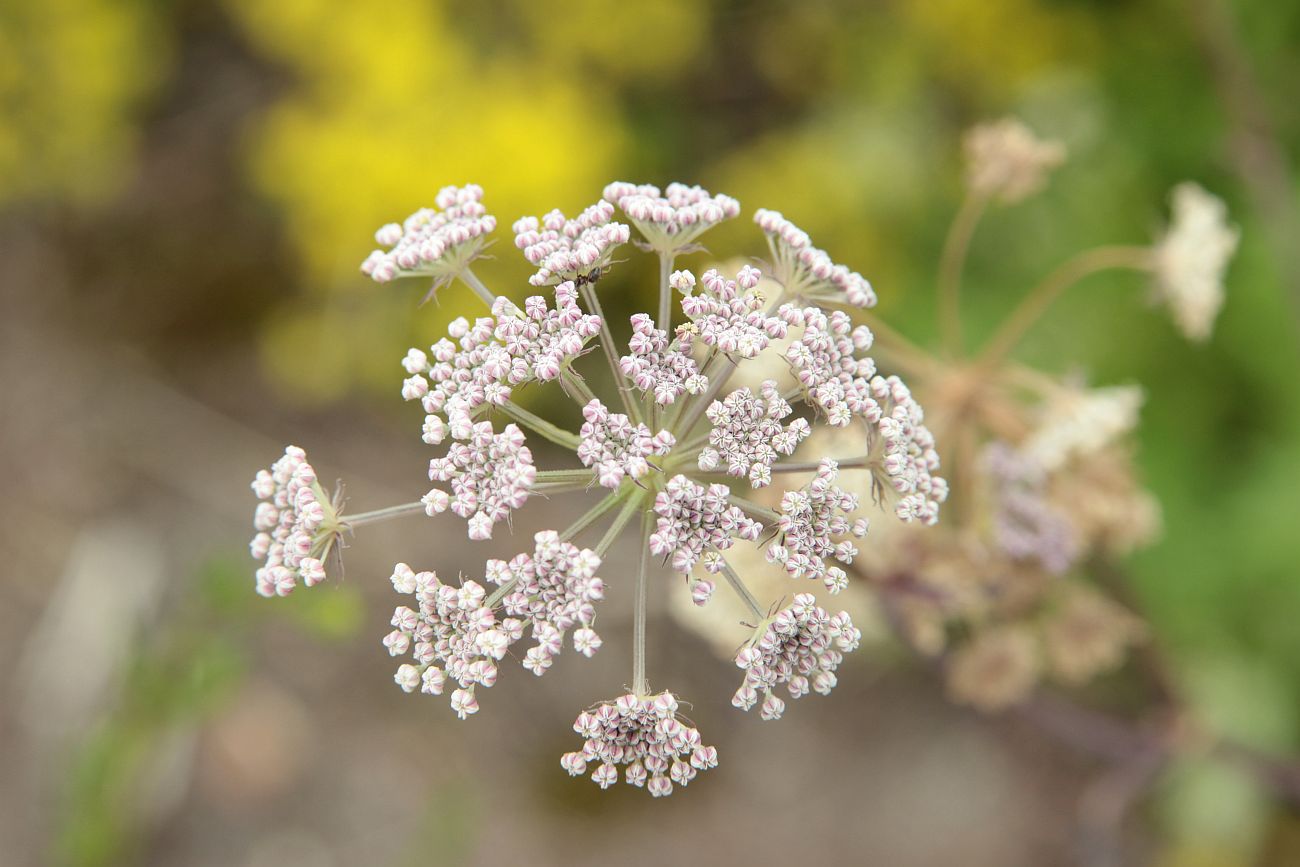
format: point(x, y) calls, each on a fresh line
point(955, 247)
point(742, 591)
point(382, 514)
point(1035, 303)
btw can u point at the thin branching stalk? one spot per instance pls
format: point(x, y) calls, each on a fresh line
point(483, 292)
point(1040, 298)
point(629, 510)
point(665, 321)
point(607, 347)
point(378, 515)
point(742, 591)
point(754, 509)
point(951, 262)
point(593, 514)
point(555, 434)
point(639, 684)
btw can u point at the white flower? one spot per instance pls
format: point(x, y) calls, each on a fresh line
point(1191, 258)
point(434, 243)
point(645, 735)
point(1005, 160)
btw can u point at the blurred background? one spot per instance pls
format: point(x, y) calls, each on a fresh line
point(186, 191)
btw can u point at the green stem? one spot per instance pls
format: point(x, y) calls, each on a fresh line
point(665, 321)
point(639, 685)
point(726, 366)
point(1035, 303)
point(741, 590)
point(629, 509)
point(607, 347)
point(557, 435)
point(592, 514)
point(755, 509)
point(382, 514)
point(471, 280)
point(955, 247)
point(570, 377)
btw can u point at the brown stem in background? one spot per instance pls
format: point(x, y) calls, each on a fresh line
point(955, 247)
point(1041, 297)
point(1163, 734)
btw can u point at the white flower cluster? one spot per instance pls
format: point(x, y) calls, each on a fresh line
point(747, 436)
point(1191, 258)
point(554, 589)
point(616, 448)
point(289, 523)
point(1006, 161)
point(453, 626)
point(645, 736)
point(490, 474)
point(694, 520)
point(654, 365)
point(436, 243)
point(1082, 422)
point(539, 340)
point(910, 460)
point(824, 360)
point(671, 222)
point(728, 315)
point(807, 272)
point(800, 646)
point(464, 375)
point(678, 422)
point(564, 249)
point(811, 519)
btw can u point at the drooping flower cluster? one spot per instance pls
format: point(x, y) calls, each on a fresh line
point(800, 646)
point(463, 377)
point(1026, 525)
point(811, 519)
point(671, 222)
point(646, 737)
point(748, 435)
point(434, 243)
point(293, 523)
point(694, 520)
point(615, 447)
point(490, 474)
point(553, 589)
point(728, 315)
point(655, 366)
point(452, 626)
point(806, 272)
point(910, 459)
point(539, 340)
point(1191, 258)
point(1006, 161)
point(564, 249)
point(824, 359)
